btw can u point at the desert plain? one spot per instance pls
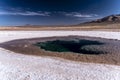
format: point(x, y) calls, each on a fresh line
point(18, 66)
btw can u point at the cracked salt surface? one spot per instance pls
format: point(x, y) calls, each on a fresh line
point(23, 67)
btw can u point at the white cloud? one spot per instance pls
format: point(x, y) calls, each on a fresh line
point(25, 13)
point(28, 12)
point(79, 15)
point(22, 12)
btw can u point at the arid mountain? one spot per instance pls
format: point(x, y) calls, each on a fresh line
point(112, 19)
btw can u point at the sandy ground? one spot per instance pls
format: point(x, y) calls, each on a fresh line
point(23, 67)
point(109, 27)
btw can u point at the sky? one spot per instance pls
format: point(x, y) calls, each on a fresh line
point(55, 12)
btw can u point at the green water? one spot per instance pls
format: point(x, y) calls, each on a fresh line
point(53, 47)
point(67, 46)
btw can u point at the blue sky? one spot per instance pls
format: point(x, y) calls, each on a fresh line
point(55, 12)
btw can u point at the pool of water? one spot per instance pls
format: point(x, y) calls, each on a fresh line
point(75, 46)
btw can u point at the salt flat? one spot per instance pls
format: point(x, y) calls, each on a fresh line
point(23, 67)
point(11, 35)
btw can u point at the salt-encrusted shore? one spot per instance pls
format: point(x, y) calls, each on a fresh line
point(23, 67)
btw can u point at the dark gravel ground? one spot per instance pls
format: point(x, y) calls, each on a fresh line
point(89, 49)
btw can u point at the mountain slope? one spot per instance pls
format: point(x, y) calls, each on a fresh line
point(112, 19)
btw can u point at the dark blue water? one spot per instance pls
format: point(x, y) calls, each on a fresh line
point(68, 46)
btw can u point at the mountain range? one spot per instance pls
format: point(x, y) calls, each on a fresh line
point(112, 19)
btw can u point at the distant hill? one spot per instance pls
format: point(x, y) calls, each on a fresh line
point(112, 19)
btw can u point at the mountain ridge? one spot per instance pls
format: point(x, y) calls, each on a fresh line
point(112, 19)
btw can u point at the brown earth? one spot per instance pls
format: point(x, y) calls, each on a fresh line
point(25, 46)
point(107, 27)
